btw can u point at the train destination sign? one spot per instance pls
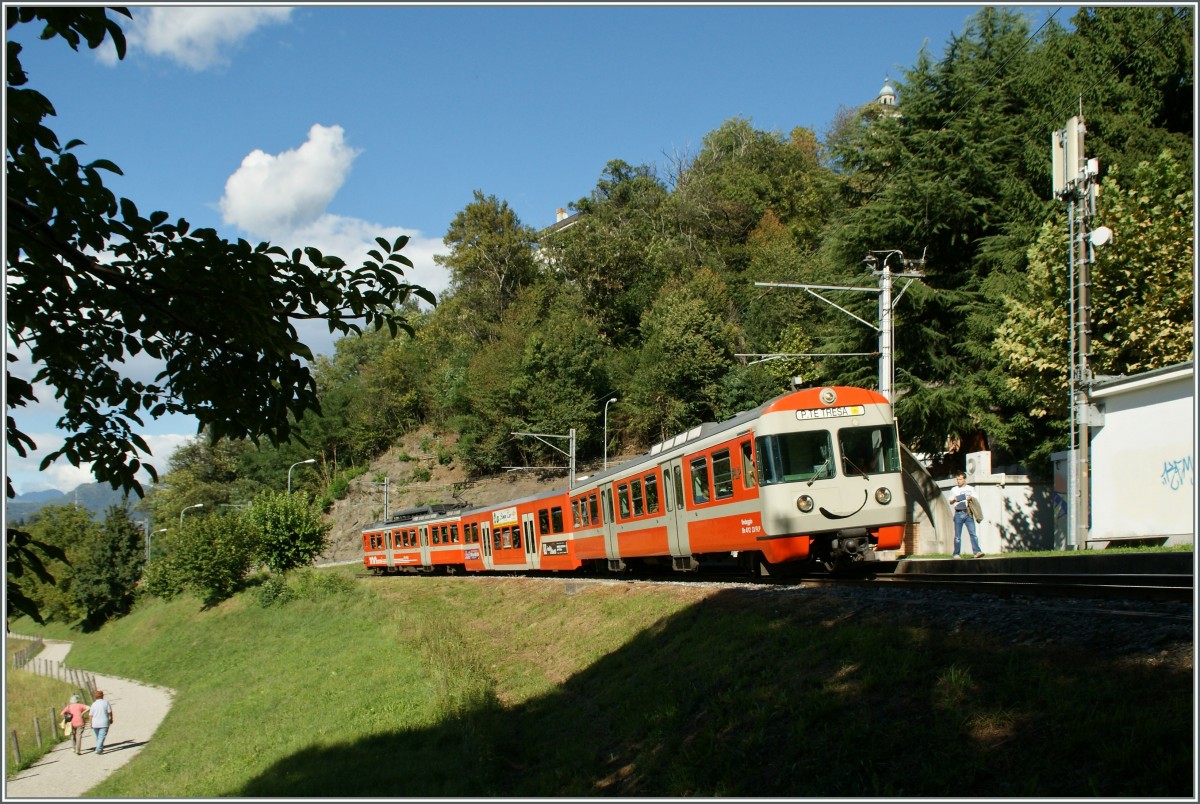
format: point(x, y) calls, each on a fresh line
point(831, 413)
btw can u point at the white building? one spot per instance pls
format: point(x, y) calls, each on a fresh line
point(1143, 483)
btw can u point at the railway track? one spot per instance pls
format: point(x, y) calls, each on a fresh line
point(1168, 588)
point(1177, 588)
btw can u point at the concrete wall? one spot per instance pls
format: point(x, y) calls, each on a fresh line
point(1017, 513)
point(1142, 478)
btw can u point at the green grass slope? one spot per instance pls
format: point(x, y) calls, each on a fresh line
point(417, 687)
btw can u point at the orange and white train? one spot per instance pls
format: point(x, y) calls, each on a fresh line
point(813, 474)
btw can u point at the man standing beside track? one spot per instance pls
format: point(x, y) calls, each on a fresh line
point(962, 514)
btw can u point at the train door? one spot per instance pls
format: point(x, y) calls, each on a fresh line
point(530, 541)
point(489, 561)
point(611, 549)
point(426, 560)
point(673, 500)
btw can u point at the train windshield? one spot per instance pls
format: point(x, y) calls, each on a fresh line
point(869, 450)
point(792, 457)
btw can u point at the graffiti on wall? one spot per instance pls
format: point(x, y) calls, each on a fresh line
point(1178, 473)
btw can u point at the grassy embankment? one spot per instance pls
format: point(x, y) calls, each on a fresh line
point(28, 696)
point(407, 687)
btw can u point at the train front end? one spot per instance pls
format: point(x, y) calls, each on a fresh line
point(829, 470)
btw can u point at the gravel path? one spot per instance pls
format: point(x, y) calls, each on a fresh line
point(137, 710)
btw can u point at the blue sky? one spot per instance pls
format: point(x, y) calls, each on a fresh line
point(329, 125)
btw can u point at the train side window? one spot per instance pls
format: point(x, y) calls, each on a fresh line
point(637, 497)
point(722, 474)
point(623, 500)
point(556, 519)
point(594, 508)
point(651, 494)
point(516, 537)
point(544, 520)
point(748, 472)
point(496, 537)
point(584, 520)
point(506, 537)
point(700, 486)
point(454, 533)
point(575, 513)
point(679, 488)
point(667, 488)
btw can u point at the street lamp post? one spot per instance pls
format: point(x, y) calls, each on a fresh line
point(150, 535)
point(606, 404)
point(190, 507)
point(293, 466)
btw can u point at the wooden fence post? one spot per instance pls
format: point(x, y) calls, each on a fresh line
point(16, 748)
point(37, 732)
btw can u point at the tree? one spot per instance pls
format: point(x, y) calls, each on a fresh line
point(57, 537)
point(109, 568)
point(688, 349)
point(289, 529)
point(490, 259)
point(1141, 305)
point(211, 556)
point(218, 315)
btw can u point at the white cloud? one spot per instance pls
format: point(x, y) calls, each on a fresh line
point(197, 37)
point(284, 199)
point(61, 475)
point(272, 194)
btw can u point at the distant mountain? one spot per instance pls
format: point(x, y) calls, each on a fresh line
point(95, 497)
point(45, 495)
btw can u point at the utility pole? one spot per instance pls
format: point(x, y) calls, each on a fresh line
point(1074, 181)
point(887, 304)
point(569, 452)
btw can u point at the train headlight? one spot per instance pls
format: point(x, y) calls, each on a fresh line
point(883, 496)
point(804, 503)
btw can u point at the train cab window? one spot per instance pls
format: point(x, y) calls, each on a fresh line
point(700, 486)
point(722, 474)
point(868, 450)
point(623, 500)
point(651, 494)
point(792, 457)
point(584, 519)
point(636, 487)
point(593, 508)
point(576, 521)
point(748, 473)
point(556, 519)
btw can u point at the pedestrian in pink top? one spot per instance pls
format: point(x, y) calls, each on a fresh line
point(75, 711)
